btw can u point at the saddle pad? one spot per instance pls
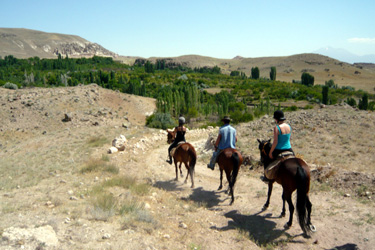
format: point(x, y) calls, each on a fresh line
point(173, 150)
point(271, 171)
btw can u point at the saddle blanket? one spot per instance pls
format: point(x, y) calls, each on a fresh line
point(174, 149)
point(271, 171)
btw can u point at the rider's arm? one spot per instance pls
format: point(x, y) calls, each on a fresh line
point(217, 141)
point(274, 144)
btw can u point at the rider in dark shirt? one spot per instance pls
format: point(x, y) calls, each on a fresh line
point(179, 131)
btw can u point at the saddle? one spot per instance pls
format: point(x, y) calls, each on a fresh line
point(173, 150)
point(271, 170)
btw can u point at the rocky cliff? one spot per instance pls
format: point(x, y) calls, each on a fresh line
point(24, 43)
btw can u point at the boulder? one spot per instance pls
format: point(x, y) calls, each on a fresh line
point(119, 143)
point(112, 150)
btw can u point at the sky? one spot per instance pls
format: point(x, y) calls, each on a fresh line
point(214, 28)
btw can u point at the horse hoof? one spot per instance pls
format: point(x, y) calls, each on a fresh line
point(264, 208)
point(312, 228)
point(220, 187)
point(286, 226)
point(282, 215)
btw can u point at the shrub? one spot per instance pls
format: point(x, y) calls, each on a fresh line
point(160, 120)
point(10, 85)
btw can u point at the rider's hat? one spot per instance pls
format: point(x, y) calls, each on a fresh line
point(279, 115)
point(226, 119)
point(181, 120)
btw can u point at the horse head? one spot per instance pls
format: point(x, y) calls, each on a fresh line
point(170, 136)
point(264, 148)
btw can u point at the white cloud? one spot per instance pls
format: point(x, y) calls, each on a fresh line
point(362, 40)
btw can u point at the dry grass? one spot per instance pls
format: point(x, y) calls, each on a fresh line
point(95, 165)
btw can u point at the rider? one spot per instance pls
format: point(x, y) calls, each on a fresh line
point(281, 138)
point(281, 135)
point(227, 138)
point(179, 131)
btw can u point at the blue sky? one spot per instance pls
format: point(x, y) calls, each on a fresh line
point(215, 28)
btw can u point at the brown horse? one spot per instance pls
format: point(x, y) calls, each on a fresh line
point(293, 173)
point(229, 160)
point(184, 153)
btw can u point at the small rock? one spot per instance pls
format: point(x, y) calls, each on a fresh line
point(106, 236)
point(166, 236)
point(347, 195)
point(70, 192)
point(73, 198)
point(183, 225)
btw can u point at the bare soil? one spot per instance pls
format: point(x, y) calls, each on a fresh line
point(41, 183)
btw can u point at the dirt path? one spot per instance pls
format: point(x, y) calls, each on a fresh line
point(340, 222)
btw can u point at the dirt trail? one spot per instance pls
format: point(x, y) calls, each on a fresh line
point(339, 221)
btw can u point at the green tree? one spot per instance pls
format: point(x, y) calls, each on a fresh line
point(255, 73)
point(307, 79)
point(325, 90)
point(273, 74)
point(363, 103)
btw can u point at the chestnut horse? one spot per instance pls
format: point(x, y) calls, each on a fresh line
point(293, 173)
point(183, 153)
point(229, 160)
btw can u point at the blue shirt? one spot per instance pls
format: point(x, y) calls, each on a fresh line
point(283, 140)
point(228, 137)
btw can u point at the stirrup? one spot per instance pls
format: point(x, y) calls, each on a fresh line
point(265, 179)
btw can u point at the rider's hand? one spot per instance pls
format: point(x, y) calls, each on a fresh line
point(270, 155)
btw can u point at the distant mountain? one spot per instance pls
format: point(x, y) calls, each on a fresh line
point(25, 43)
point(345, 56)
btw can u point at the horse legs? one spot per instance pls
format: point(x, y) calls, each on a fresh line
point(188, 169)
point(270, 186)
point(221, 179)
point(308, 206)
point(175, 164)
point(231, 186)
point(181, 170)
point(283, 211)
point(291, 210)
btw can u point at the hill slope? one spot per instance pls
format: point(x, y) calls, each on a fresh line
point(25, 43)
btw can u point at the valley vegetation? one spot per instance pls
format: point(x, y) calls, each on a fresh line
point(203, 95)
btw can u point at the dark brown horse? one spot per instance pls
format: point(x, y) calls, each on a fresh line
point(184, 153)
point(229, 160)
point(293, 173)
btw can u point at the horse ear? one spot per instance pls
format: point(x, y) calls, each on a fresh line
point(269, 140)
point(259, 141)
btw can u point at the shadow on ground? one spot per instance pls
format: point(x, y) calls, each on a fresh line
point(260, 229)
point(348, 246)
point(207, 198)
point(167, 185)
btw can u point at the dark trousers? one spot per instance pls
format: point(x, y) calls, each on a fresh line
point(173, 145)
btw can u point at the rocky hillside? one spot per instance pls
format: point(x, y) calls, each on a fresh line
point(24, 43)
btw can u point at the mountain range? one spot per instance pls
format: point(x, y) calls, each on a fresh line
point(345, 56)
point(25, 43)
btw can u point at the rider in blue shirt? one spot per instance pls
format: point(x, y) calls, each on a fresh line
point(226, 139)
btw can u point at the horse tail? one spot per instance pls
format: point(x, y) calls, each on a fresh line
point(236, 168)
point(302, 198)
point(193, 159)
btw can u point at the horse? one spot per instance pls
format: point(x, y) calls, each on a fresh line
point(229, 160)
point(183, 153)
point(293, 173)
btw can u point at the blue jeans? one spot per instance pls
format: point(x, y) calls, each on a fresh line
point(214, 157)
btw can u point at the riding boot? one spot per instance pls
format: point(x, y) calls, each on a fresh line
point(265, 179)
point(169, 160)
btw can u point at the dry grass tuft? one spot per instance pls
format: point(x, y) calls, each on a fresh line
point(94, 165)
